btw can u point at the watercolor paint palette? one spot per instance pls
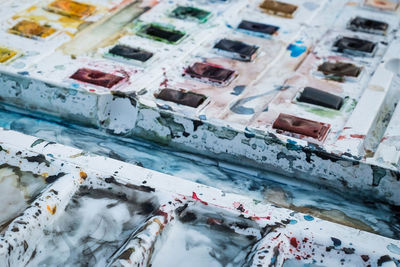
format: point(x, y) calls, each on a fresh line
point(304, 88)
point(98, 211)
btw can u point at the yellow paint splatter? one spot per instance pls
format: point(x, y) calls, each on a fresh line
point(31, 8)
point(52, 210)
point(83, 175)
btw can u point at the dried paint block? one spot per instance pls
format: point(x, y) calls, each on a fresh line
point(184, 98)
point(71, 8)
point(257, 28)
point(320, 98)
point(389, 5)
point(96, 77)
point(339, 69)
point(31, 29)
point(236, 49)
point(190, 13)
point(210, 73)
point(289, 123)
point(6, 54)
point(368, 25)
point(279, 8)
point(161, 33)
point(354, 46)
point(129, 53)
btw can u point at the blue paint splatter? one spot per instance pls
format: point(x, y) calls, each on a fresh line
point(292, 145)
point(73, 92)
point(25, 73)
point(292, 222)
point(308, 218)
point(75, 85)
point(393, 248)
point(238, 90)
point(203, 117)
point(296, 50)
point(248, 133)
point(336, 242)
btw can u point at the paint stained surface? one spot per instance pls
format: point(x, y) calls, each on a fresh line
point(157, 128)
point(17, 189)
point(264, 187)
point(94, 225)
point(209, 239)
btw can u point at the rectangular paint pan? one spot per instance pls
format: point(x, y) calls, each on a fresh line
point(355, 46)
point(210, 73)
point(96, 77)
point(236, 49)
point(71, 8)
point(320, 98)
point(128, 54)
point(257, 29)
point(190, 13)
point(32, 29)
point(161, 33)
point(189, 99)
point(278, 8)
point(292, 124)
point(7, 55)
point(360, 24)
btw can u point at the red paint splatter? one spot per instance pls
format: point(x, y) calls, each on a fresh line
point(361, 136)
point(92, 90)
point(241, 208)
point(305, 239)
point(298, 257)
point(276, 237)
point(293, 242)
point(164, 214)
point(341, 137)
point(212, 221)
point(165, 82)
point(194, 196)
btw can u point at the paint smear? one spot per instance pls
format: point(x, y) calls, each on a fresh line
point(296, 50)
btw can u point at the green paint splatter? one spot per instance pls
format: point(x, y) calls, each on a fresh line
point(324, 112)
point(39, 141)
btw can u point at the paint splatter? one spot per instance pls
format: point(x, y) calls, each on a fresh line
point(308, 218)
point(296, 50)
